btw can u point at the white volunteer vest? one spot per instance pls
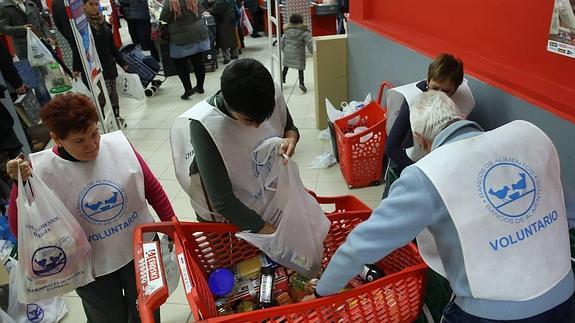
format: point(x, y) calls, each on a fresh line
point(105, 195)
point(503, 192)
point(236, 144)
point(463, 98)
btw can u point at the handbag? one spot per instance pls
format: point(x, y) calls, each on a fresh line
point(26, 73)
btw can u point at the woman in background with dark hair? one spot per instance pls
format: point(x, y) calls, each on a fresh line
point(107, 186)
point(189, 39)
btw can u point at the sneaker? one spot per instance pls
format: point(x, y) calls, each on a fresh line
point(187, 94)
point(199, 90)
point(121, 123)
point(302, 88)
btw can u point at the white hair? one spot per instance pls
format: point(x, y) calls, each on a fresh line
point(431, 113)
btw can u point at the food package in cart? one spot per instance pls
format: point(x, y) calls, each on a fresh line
point(248, 289)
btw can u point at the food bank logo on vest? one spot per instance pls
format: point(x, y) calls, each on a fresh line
point(509, 189)
point(48, 261)
point(102, 201)
point(34, 312)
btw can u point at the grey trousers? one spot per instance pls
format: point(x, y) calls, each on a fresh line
point(112, 298)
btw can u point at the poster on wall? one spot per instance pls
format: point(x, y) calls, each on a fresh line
point(91, 64)
point(562, 28)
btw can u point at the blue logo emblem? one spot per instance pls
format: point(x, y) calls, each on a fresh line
point(34, 313)
point(509, 189)
point(262, 161)
point(47, 261)
point(102, 202)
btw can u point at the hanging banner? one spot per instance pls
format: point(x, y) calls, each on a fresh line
point(91, 63)
point(562, 30)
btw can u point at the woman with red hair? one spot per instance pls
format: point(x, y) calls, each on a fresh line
point(107, 186)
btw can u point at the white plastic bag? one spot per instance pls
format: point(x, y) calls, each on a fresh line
point(129, 85)
point(79, 87)
point(324, 134)
point(170, 264)
point(38, 54)
point(301, 225)
point(54, 253)
point(324, 160)
point(50, 310)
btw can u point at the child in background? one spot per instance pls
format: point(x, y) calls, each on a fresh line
point(107, 52)
point(294, 41)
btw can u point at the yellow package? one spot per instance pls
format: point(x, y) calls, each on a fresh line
point(250, 268)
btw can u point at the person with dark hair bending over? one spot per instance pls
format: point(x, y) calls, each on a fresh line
point(75, 169)
point(225, 129)
point(445, 74)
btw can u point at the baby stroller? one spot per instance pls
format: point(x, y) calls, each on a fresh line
point(211, 56)
point(146, 67)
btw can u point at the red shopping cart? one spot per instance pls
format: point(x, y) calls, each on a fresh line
point(204, 247)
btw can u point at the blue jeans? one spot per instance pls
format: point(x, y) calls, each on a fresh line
point(560, 313)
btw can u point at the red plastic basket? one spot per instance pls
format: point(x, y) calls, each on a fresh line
point(204, 247)
point(361, 154)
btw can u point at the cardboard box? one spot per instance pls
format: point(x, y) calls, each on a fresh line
point(330, 73)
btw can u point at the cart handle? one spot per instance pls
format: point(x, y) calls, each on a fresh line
point(149, 268)
point(384, 84)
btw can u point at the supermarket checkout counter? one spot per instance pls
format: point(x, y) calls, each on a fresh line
point(323, 16)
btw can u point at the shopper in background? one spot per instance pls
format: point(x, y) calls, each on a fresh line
point(225, 129)
point(295, 40)
point(476, 220)
point(189, 39)
point(16, 17)
point(137, 14)
point(62, 22)
point(445, 73)
point(10, 145)
point(241, 26)
point(227, 19)
point(257, 17)
point(341, 21)
point(107, 52)
point(107, 186)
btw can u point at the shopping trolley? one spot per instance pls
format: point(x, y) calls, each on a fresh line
point(146, 67)
point(203, 247)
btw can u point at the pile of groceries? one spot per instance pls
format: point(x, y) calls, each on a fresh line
point(259, 282)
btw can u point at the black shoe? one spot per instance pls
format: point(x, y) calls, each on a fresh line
point(121, 123)
point(187, 94)
point(302, 88)
point(226, 61)
point(256, 35)
point(199, 90)
point(235, 57)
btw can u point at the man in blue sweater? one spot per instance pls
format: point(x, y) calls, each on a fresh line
point(489, 214)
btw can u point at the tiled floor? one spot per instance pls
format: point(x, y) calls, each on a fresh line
point(148, 129)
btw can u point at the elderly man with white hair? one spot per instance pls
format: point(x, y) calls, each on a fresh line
point(489, 213)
